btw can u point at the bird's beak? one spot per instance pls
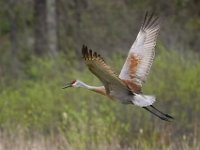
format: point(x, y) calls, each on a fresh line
point(66, 86)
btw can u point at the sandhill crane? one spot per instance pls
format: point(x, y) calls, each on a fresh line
point(127, 86)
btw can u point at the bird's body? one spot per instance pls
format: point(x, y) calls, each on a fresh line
point(117, 95)
point(127, 86)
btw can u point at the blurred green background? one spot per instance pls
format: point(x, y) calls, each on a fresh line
point(40, 51)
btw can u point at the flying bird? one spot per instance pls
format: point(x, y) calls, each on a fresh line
point(127, 86)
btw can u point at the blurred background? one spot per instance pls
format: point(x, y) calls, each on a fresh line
point(40, 51)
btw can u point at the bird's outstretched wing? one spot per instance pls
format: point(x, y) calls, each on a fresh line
point(141, 54)
point(99, 68)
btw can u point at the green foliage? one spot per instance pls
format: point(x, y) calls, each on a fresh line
point(38, 104)
point(31, 96)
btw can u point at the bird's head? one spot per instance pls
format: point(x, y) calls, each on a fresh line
point(74, 83)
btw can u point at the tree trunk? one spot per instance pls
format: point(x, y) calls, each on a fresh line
point(52, 27)
point(13, 31)
point(58, 21)
point(15, 65)
point(40, 45)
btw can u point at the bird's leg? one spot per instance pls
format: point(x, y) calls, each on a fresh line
point(166, 115)
point(162, 118)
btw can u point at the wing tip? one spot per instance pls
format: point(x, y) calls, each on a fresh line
point(151, 20)
point(84, 51)
point(89, 54)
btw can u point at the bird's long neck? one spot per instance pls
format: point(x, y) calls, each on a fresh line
point(97, 89)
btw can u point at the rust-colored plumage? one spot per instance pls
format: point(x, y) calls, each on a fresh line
point(134, 62)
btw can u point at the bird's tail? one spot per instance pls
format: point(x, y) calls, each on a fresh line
point(143, 100)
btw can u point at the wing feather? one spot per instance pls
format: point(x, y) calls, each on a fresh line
point(141, 53)
point(99, 68)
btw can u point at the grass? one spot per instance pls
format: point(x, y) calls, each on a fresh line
point(37, 114)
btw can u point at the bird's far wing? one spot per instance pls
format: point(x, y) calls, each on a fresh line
point(141, 54)
point(99, 68)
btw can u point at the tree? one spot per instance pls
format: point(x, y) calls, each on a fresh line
point(40, 30)
point(52, 26)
